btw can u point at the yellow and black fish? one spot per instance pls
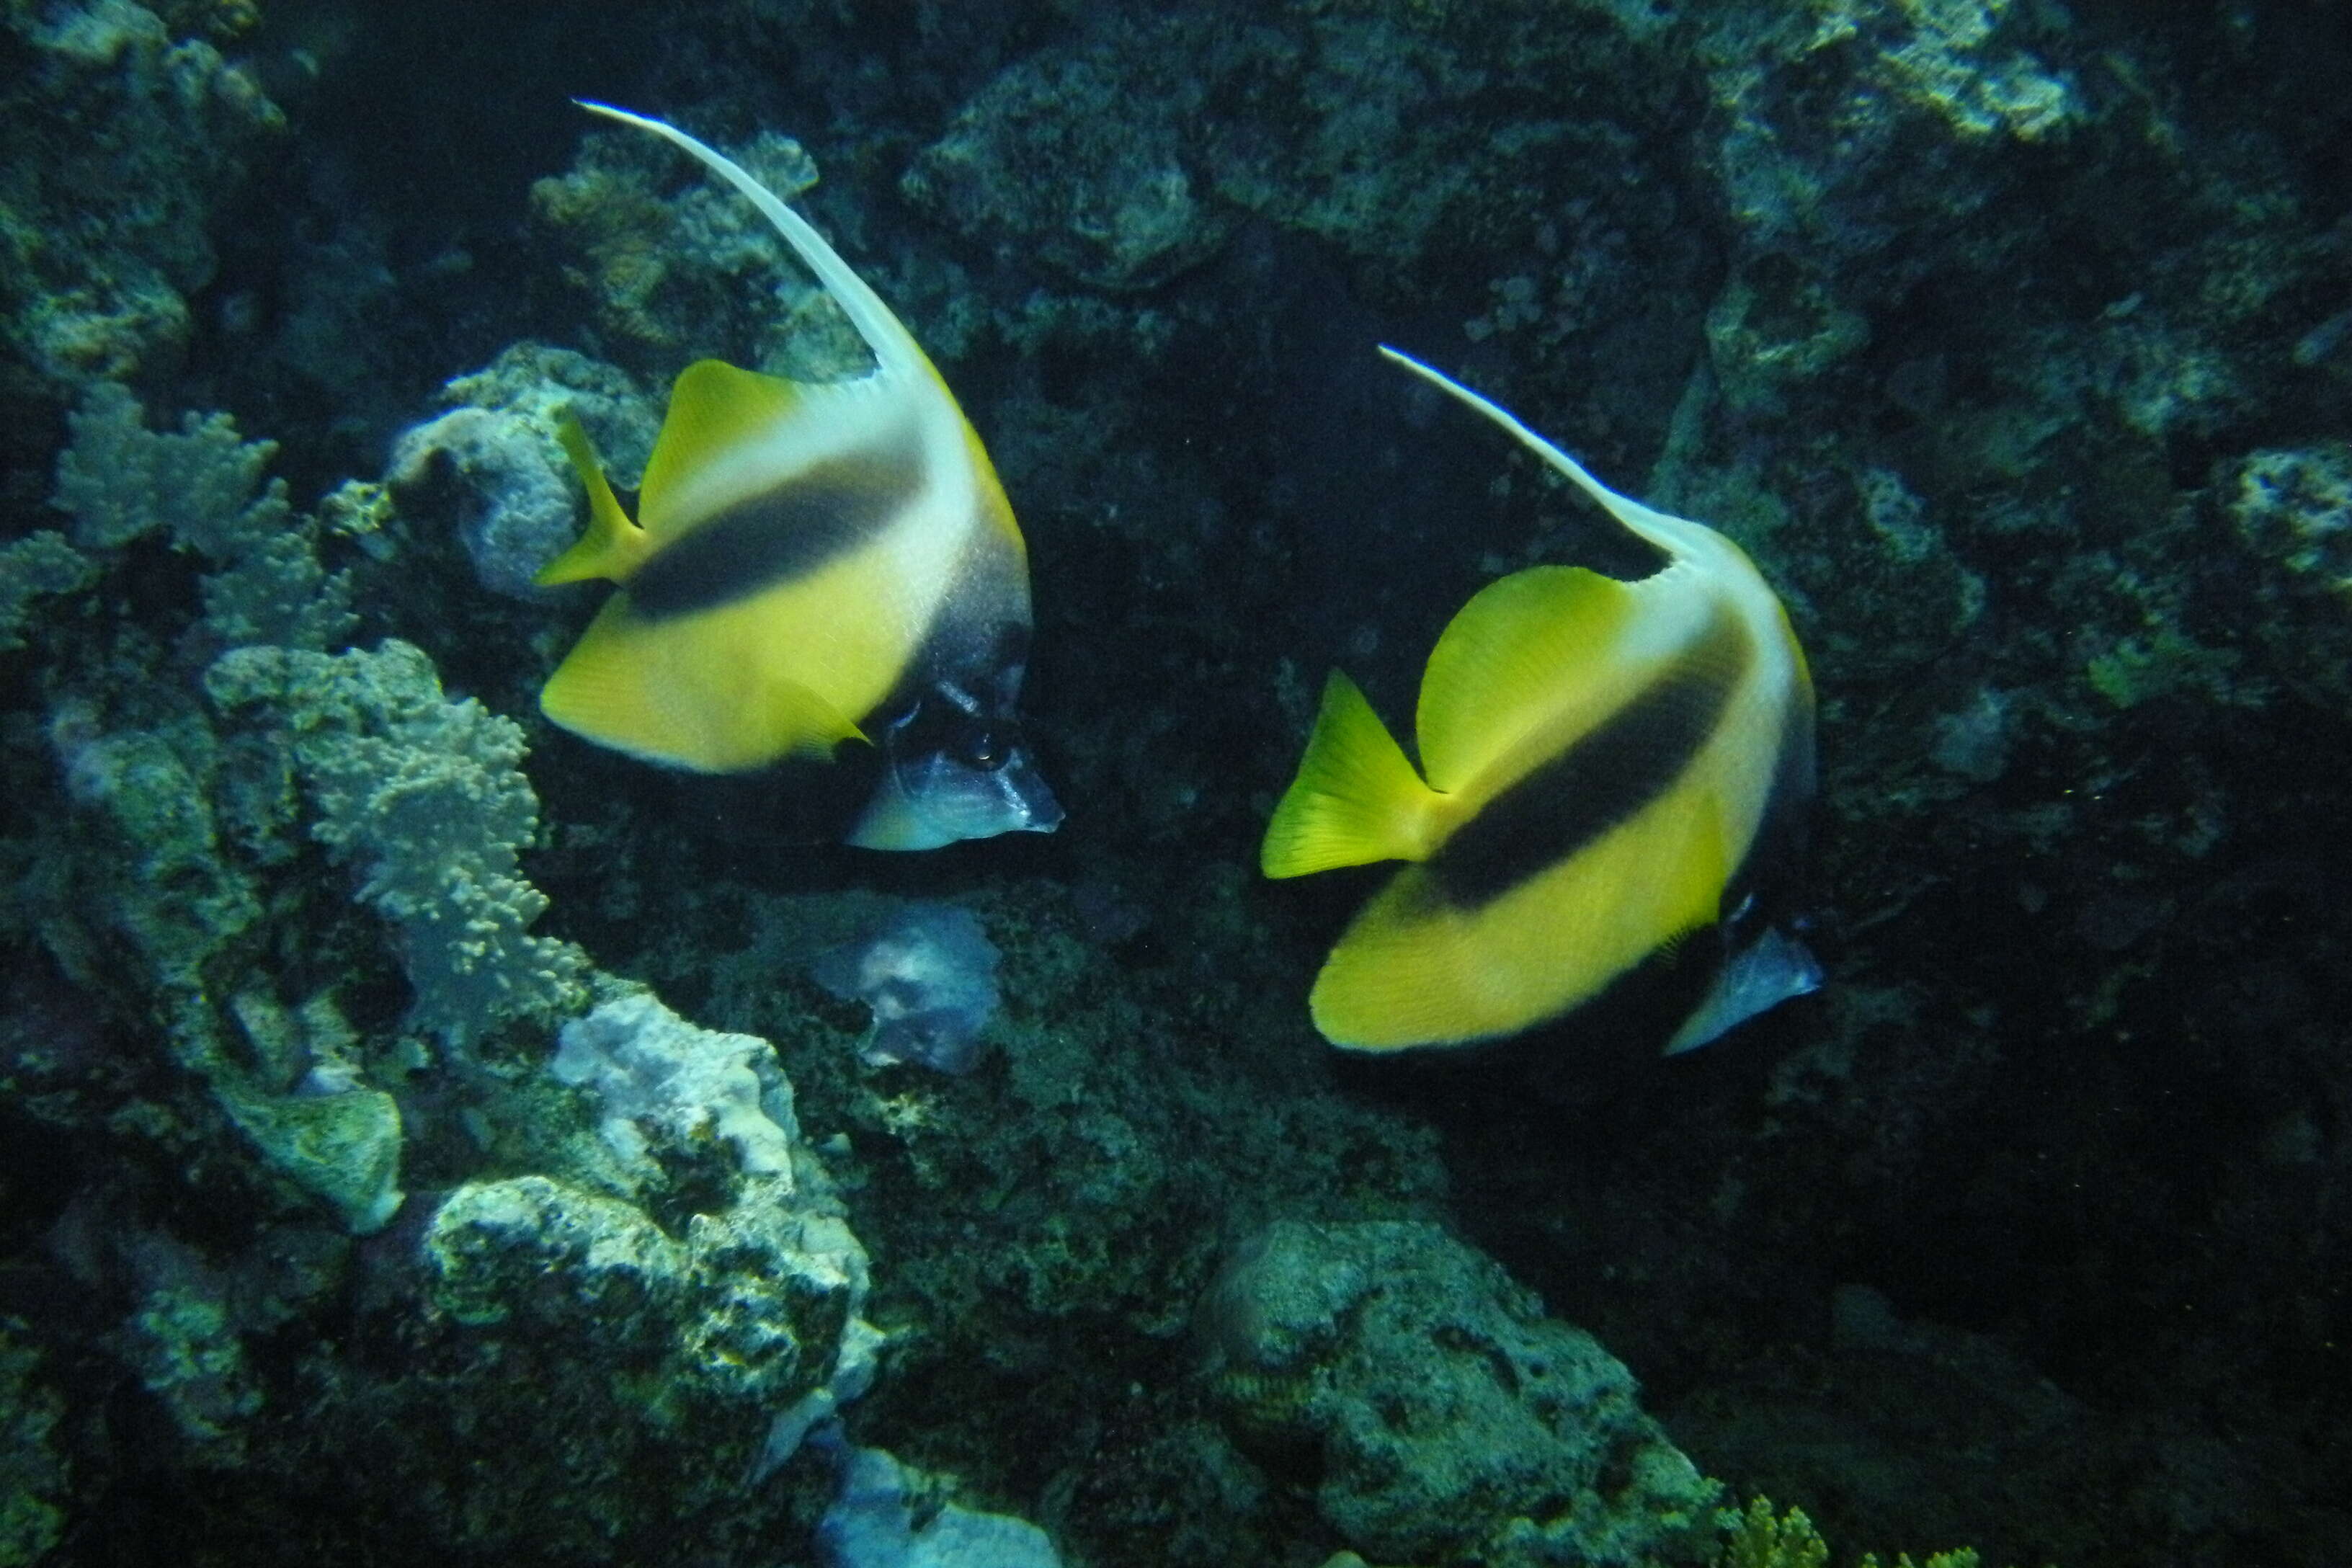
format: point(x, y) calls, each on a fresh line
point(1599, 760)
point(810, 564)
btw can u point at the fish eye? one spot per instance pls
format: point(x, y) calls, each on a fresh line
point(983, 749)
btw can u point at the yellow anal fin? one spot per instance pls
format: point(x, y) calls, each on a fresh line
point(613, 546)
point(1540, 650)
point(1355, 799)
point(698, 694)
point(1415, 969)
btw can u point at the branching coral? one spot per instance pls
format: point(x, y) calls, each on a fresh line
point(203, 485)
point(1757, 1537)
point(423, 798)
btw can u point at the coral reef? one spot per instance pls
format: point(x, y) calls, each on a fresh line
point(354, 1208)
point(542, 1290)
point(1128, 1121)
point(633, 1332)
point(171, 876)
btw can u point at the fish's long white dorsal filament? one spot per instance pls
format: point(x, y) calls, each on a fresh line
point(894, 349)
point(1659, 528)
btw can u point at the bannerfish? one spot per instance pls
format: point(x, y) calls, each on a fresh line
point(811, 564)
point(1603, 764)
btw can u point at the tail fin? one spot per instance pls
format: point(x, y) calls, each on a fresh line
point(1356, 800)
point(613, 546)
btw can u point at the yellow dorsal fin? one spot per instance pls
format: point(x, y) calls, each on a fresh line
point(613, 546)
point(1533, 651)
point(715, 409)
point(1355, 799)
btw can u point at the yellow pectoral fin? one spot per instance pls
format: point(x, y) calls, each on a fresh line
point(1355, 799)
point(613, 546)
point(1535, 649)
point(695, 694)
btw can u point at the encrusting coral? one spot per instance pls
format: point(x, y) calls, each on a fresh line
point(660, 1076)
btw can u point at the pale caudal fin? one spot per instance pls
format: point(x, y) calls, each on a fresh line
point(1356, 800)
point(613, 546)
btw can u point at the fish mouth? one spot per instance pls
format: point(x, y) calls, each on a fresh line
point(982, 802)
point(1039, 811)
point(943, 796)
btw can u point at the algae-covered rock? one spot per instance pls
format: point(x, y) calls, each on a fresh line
point(2291, 508)
point(1435, 1411)
point(677, 268)
point(1078, 159)
point(343, 1147)
point(32, 1472)
point(107, 229)
point(633, 1373)
point(746, 1309)
point(498, 479)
